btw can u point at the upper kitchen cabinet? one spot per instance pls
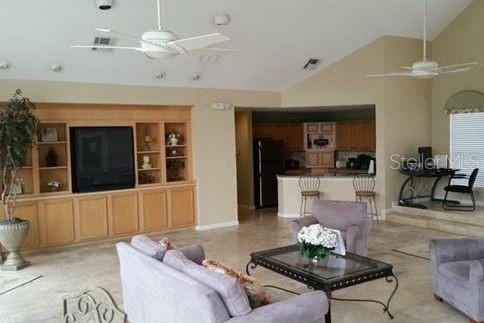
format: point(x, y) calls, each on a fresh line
point(356, 135)
point(292, 134)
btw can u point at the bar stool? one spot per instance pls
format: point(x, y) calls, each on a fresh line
point(309, 186)
point(364, 186)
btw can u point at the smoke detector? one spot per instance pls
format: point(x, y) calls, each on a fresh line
point(221, 19)
point(159, 75)
point(4, 66)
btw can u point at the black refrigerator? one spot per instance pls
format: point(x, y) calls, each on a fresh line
point(268, 162)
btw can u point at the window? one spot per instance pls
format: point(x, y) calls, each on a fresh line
point(467, 145)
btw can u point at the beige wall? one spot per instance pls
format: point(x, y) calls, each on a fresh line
point(243, 146)
point(213, 131)
point(402, 105)
point(461, 42)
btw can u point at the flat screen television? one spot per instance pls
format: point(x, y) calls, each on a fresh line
point(102, 158)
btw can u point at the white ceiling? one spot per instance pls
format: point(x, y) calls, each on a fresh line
point(274, 37)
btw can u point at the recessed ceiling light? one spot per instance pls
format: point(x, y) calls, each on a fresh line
point(221, 19)
point(56, 68)
point(159, 75)
point(4, 66)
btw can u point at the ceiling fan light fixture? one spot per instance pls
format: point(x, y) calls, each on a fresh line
point(221, 19)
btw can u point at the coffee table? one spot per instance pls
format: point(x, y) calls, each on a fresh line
point(333, 273)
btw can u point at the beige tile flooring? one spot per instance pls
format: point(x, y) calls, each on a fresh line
point(67, 270)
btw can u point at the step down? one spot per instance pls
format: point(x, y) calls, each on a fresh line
point(437, 224)
point(472, 218)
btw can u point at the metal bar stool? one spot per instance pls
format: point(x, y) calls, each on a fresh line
point(364, 186)
point(309, 186)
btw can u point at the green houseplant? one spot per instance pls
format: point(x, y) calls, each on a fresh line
point(18, 134)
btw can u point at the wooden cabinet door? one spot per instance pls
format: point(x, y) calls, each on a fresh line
point(295, 137)
point(312, 159)
point(367, 138)
point(28, 211)
point(281, 133)
point(263, 130)
point(153, 214)
point(312, 127)
point(56, 221)
point(124, 213)
point(345, 135)
point(181, 206)
point(326, 159)
point(91, 217)
point(327, 127)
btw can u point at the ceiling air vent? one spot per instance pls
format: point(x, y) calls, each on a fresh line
point(311, 64)
point(103, 41)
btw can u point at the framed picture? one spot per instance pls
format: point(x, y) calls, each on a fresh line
point(48, 134)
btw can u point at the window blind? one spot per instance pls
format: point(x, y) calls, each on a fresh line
point(467, 145)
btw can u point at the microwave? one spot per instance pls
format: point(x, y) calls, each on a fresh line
point(320, 141)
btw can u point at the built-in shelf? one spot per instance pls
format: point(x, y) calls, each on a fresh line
point(176, 146)
point(52, 168)
point(148, 152)
point(148, 169)
point(26, 167)
point(176, 157)
point(51, 142)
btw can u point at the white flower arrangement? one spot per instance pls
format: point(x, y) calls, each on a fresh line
point(316, 241)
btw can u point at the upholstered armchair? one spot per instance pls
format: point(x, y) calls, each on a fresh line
point(348, 217)
point(458, 274)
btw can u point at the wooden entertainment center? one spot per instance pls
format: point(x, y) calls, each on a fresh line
point(164, 194)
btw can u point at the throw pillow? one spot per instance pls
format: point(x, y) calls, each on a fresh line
point(256, 293)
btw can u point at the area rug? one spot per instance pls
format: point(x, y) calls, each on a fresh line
point(10, 281)
point(418, 251)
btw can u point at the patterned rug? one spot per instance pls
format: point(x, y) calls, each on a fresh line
point(419, 251)
point(10, 281)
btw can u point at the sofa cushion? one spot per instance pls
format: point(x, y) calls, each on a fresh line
point(229, 289)
point(194, 252)
point(457, 271)
point(148, 246)
point(339, 214)
point(306, 221)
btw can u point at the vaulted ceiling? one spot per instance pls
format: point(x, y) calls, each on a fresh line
point(274, 38)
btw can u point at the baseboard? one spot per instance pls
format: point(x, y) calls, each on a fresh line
point(216, 225)
point(385, 212)
point(288, 215)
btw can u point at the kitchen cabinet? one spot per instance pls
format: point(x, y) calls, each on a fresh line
point(291, 133)
point(356, 135)
point(323, 159)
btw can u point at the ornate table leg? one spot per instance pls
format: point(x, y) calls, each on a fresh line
point(386, 307)
point(251, 265)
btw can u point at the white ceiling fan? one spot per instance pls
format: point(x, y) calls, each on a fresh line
point(426, 69)
point(162, 43)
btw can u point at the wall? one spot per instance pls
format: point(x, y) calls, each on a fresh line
point(460, 42)
point(213, 131)
point(402, 105)
point(243, 146)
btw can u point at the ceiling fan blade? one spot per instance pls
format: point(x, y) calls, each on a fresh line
point(107, 47)
point(457, 66)
point(392, 74)
point(110, 31)
point(407, 68)
point(457, 70)
point(187, 44)
point(214, 49)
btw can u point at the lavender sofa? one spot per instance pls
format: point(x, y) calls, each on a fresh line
point(458, 274)
point(153, 291)
point(348, 217)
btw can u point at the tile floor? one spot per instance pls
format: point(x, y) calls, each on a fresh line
point(66, 270)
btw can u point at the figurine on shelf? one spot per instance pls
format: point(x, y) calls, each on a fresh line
point(173, 167)
point(173, 152)
point(173, 138)
point(146, 162)
point(147, 141)
point(51, 158)
point(53, 185)
point(144, 178)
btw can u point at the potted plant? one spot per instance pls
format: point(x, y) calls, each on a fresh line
point(18, 134)
point(316, 242)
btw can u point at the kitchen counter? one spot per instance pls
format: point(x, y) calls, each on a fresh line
point(323, 172)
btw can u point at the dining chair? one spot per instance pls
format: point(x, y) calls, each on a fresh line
point(364, 185)
point(309, 186)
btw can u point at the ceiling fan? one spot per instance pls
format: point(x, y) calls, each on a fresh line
point(426, 69)
point(162, 43)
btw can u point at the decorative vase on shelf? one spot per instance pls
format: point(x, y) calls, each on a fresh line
point(173, 138)
point(316, 242)
point(146, 162)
